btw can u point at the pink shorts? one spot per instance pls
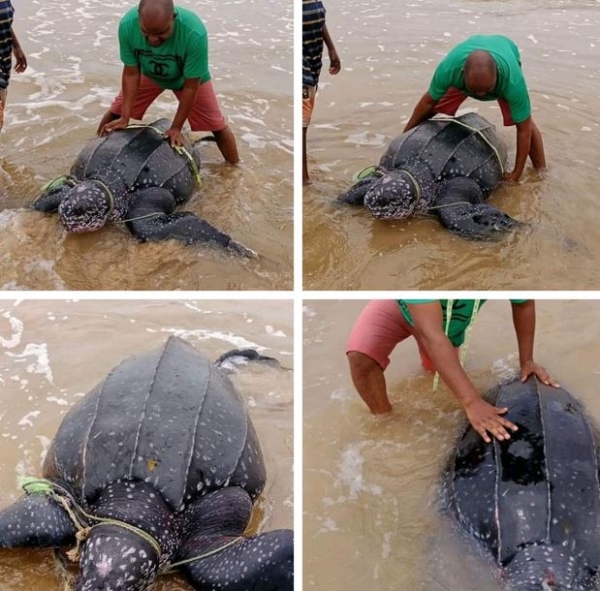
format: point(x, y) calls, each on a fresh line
point(454, 98)
point(205, 114)
point(379, 328)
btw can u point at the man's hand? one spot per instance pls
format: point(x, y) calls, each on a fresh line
point(511, 177)
point(120, 123)
point(20, 60)
point(334, 62)
point(486, 418)
point(174, 136)
point(532, 368)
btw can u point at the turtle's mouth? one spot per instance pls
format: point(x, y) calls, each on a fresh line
point(82, 225)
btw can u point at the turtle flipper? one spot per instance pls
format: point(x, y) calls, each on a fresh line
point(152, 218)
point(460, 207)
point(49, 201)
point(249, 354)
point(35, 521)
point(355, 195)
point(259, 563)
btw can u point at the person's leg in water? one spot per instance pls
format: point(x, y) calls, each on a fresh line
point(308, 104)
point(206, 116)
point(378, 329)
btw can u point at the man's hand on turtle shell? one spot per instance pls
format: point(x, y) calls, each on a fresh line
point(119, 123)
point(531, 367)
point(174, 136)
point(485, 418)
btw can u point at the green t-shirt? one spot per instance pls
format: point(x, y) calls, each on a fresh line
point(183, 55)
point(462, 310)
point(510, 83)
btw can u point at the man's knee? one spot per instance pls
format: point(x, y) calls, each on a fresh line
point(361, 365)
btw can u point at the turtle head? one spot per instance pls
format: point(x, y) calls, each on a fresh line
point(115, 559)
point(546, 567)
point(394, 196)
point(86, 207)
point(135, 538)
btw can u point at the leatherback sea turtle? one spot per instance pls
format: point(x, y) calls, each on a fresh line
point(162, 462)
point(133, 176)
point(445, 166)
point(533, 501)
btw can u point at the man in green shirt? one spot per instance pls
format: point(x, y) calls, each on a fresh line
point(485, 67)
point(439, 327)
point(166, 47)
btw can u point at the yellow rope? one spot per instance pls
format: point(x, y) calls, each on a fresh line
point(64, 499)
point(479, 133)
point(465, 345)
point(182, 150)
point(111, 197)
point(174, 565)
point(43, 486)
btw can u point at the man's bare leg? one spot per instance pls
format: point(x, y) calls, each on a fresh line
point(369, 382)
point(226, 143)
point(536, 151)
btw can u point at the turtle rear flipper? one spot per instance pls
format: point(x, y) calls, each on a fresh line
point(212, 529)
point(460, 207)
point(152, 218)
point(35, 521)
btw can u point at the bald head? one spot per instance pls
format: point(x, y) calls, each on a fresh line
point(156, 6)
point(156, 19)
point(480, 72)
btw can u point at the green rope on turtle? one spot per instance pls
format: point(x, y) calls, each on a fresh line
point(32, 485)
point(59, 181)
point(367, 172)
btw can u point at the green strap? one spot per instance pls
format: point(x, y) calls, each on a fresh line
point(465, 345)
point(59, 181)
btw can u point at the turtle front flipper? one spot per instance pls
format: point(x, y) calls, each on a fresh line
point(35, 521)
point(52, 196)
point(355, 195)
point(460, 207)
point(212, 530)
point(152, 218)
